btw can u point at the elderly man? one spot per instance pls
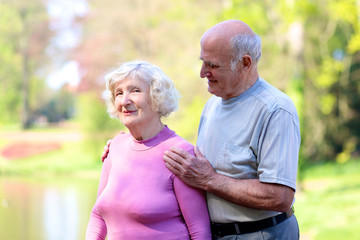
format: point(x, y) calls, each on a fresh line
point(248, 142)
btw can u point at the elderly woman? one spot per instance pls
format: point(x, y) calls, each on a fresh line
point(138, 197)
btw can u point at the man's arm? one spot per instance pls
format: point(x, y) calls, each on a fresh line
point(198, 172)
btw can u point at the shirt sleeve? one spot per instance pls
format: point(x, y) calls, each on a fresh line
point(193, 207)
point(279, 152)
point(96, 229)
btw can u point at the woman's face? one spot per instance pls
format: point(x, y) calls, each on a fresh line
point(133, 102)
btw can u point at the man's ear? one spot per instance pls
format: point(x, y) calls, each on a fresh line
point(246, 61)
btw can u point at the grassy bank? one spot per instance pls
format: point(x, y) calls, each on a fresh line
point(73, 156)
point(328, 205)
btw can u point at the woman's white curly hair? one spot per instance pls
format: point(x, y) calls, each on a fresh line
point(163, 94)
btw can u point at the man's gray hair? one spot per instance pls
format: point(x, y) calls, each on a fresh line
point(242, 44)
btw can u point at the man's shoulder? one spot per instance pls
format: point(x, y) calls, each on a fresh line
point(211, 102)
point(272, 97)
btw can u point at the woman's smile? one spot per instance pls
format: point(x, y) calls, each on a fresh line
point(129, 112)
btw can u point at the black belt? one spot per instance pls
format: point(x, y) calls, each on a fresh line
point(236, 228)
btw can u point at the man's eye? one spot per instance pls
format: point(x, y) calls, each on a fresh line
point(213, 65)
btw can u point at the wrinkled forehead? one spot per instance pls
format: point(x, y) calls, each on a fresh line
point(215, 43)
point(215, 52)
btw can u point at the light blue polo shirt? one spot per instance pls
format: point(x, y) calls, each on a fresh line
point(252, 136)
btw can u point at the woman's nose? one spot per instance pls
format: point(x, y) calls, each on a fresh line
point(125, 100)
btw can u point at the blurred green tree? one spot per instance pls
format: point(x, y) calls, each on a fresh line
point(309, 49)
point(10, 77)
point(22, 53)
point(96, 124)
point(56, 105)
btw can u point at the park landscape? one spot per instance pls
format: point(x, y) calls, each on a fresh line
point(326, 200)
point(53, 121)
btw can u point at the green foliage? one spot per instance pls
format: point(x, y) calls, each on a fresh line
point(22, 49)
point(55, 105)
point(310, 51)
point(96, 124)
point(185, 122)
point(329, 73)
point(253, 13)
point(10, 63)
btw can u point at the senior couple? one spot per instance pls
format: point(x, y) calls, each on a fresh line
point(238, 183)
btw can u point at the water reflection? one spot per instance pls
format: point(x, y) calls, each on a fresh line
point(49, 209)
point(59, 209)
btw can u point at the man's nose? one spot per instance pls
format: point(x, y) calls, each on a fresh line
point(204, 72)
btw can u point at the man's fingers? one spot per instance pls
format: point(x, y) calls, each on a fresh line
point(180, 152)
point(173, 155)
point(106, 150)
point(172, 164)
point(103, 156)
point(197, 152)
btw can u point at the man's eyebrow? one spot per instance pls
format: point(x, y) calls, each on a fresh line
point(207, 62)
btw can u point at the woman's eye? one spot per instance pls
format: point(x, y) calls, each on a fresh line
point(136, 90)
point(118, 93)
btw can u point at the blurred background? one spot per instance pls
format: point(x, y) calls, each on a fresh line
point(53, 122)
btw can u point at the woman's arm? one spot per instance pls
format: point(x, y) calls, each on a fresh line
point(96, 229)
point(193, 207)
point(192, 202)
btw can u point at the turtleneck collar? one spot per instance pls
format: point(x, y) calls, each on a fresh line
point(141, 145)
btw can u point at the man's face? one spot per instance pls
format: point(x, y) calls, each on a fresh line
point(216, 67)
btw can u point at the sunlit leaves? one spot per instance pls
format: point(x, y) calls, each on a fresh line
point(344, 10)
point(329, 73)
point(354, 43)
point(253, 13)
point(327, 102)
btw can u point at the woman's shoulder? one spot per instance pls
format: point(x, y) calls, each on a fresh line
point(121, 137)
point(182, 143)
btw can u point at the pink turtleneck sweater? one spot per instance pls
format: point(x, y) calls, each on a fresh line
point(139, 198)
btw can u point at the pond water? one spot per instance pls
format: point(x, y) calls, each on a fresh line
point(56, 208)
